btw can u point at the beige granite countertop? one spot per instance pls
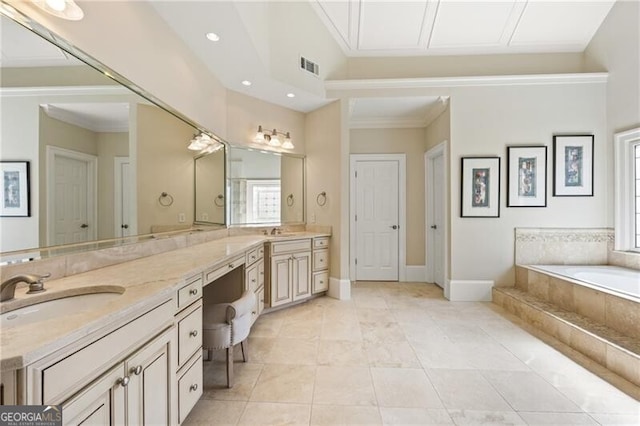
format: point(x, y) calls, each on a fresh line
point(145, 283)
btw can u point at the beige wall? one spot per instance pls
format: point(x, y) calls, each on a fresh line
point(484, 121)
point(324, 145)
point(292, 183)
point(81, 75)
point(245, 114)
point(616, 48)
point(449, 66)
point(110, 145)
point(411, 143)
point(164, 164)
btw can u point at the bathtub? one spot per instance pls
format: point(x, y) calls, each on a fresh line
point(612, 278)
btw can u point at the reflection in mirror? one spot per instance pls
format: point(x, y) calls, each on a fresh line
point(209, 182)
point(100, 156)
point(265, 187)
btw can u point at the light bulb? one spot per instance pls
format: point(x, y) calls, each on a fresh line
point(274, 139)
point(287, 142)
point(57, 5)
point(259, 136)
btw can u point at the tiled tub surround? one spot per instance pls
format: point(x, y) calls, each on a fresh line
point(563, 246)
point(147, 281)
point(600, 325)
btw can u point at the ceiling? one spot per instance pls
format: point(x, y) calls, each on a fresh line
point(445, 27)
point(252, 46)
point(97, 117)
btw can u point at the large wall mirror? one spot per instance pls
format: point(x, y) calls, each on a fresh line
point(104, 163)
point(265, 187)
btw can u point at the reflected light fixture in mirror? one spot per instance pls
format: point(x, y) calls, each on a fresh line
point(65, 9)
point(273, 139)
point(204, 143)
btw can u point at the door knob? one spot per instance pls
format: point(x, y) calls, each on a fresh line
point(434, 226)
point(124, 226)
point(84, 225)
point(394, 226)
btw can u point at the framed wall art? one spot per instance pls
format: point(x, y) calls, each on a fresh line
point(526, 176)
point(573, 166)
point(480, 187)
point(14, 181)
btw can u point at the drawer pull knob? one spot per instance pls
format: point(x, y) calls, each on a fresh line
point(136, 370)
point(253, 280)
point(321, 282)
point(253, 312)
point(193, 387)
point(193, 333)
point(253, 257)
point(321, 260)
point(231, 266)
point(124, 381)
point(193, 291)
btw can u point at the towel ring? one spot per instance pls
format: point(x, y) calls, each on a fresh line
point(290, 200)
point(165, 199)
point(219, 197)
point(321, 199)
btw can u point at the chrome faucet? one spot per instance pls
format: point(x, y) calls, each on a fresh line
point(36, 285)
point(273, 231)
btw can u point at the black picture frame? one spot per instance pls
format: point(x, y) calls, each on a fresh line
point(16, 189)
point(527, 176)
point(573, 165)
point(480, 187)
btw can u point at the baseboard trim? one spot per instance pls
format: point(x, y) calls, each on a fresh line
point(339, 288)
point(468, 290)
point(415, 273)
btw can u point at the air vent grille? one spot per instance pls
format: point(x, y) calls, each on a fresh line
point(309, 66)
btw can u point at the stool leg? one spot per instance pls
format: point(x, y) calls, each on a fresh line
point(230, 367)
point(245, 350)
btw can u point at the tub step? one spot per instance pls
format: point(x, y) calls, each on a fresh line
point(608, 347)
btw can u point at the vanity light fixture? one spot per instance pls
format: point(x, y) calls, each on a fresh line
point(65, 9)
point(204, 142)
point(272, 138)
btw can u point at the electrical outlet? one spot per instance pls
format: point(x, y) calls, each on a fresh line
point(313, 218)
point(181, 217)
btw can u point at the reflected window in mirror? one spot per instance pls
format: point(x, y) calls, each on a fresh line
point(265, 187)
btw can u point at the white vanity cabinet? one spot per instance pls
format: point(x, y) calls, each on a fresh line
point(320, 279)
point(254, 279)
point(290, 271)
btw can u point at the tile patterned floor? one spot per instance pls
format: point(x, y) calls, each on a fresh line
point(400, 354)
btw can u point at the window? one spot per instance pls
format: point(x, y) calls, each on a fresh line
point(263, 201)
point(627, 190)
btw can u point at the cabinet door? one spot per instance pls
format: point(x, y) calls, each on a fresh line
point(100, 403)
point(148, 391)
point(301, 276)
point(260, 273)
point(251, 278)
point(281, 279)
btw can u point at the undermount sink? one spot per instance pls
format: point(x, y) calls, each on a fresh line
point(56, 308)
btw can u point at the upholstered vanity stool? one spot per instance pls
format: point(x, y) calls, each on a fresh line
point(224, 325)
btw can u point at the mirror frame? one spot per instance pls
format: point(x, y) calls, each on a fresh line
point(228, 187)
point(36, 253)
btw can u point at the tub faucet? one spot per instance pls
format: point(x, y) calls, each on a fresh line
point(36, 285)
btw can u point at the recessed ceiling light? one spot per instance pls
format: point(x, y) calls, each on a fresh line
point(246, 82)
point(291, 95)
point(213, 36)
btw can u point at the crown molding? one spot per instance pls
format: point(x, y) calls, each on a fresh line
point(470, 81)
point(77, 120)
point(65, 91)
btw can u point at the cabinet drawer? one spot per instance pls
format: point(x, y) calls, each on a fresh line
point(78, 369)
point(189, 335)
point(260, 301)
point(320, 260)
point(214, 274)
point(190, 292)
point(251, 278)
point(320, 282)
point(289, 246)
point(254, 255)
point(189, 388)
point(321, 242)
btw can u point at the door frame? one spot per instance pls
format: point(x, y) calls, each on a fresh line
point(402, 209)
point(92, 188)
point(429, 209)
point(117, 195)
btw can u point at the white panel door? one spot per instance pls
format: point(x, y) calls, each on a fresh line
point(377, 236)
point(437, 227)
point(71, 201)
point(122, 197)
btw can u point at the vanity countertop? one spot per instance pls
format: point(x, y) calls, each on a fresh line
point(147, 282)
